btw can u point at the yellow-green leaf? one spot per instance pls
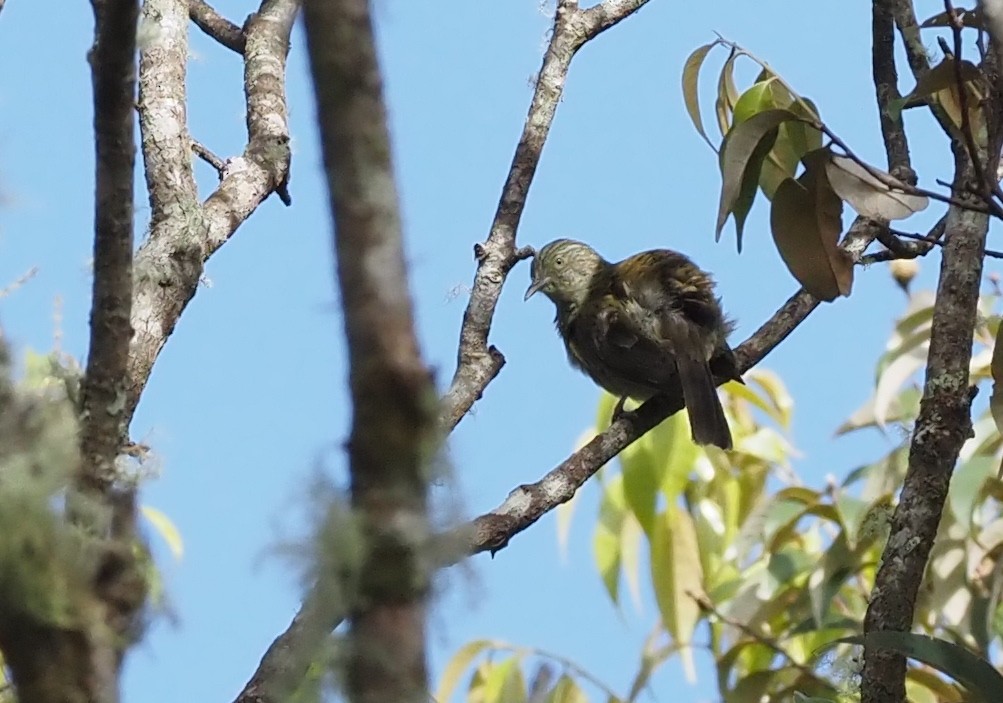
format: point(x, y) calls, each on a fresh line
point(676, 573)
point(167, 530)
point(606, 542)
point(456, 666)
point(566, 691)
point(505, 683)
point(691, 88)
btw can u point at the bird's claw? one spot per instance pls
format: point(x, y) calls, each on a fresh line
point(618, 412)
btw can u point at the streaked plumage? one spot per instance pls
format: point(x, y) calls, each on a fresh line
point(645, 326)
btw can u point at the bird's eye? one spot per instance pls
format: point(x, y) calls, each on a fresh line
point(559, 261)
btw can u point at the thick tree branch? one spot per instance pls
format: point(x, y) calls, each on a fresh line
point(943, 425)
point(114, 78)
point(163, 110)
point(394, 424)
point(118, 584)
point(78, 660)
point(478, 362)
point(216, 26)
point(886, 90)
point(185, 233)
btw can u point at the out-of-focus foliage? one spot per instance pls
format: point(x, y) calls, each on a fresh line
point(740, 557)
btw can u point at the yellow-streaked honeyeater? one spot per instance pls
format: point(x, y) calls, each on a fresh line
point(646, 326)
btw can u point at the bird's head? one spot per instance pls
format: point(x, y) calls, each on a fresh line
point(563, 271)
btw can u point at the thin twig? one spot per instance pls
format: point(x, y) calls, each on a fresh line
point(758, 637)
point(18, 282)
point(210, 158)
point(986, 188)
point(564, 662)
point(886, 91)
point(216, 26)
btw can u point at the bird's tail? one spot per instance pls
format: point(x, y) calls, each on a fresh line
point(707, 421)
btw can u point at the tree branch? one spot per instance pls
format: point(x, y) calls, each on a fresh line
point(185, 233)
point(478, 362)
point(886, 90)
point(114, 78)
point(992, 10)
point(104, 420)
point(78, 659)
point(905, 19)
point(216, 26)
point(394, 426)
point(943, 425)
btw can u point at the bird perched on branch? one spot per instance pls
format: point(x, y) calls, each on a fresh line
point(648, 325)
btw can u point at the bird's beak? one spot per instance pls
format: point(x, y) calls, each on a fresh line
point(535, 287)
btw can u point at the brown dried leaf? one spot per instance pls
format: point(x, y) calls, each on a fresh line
point(942, 76)
point(806, 220)
point(868, 195)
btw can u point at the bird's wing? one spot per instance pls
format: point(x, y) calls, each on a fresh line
point(675, 290)
point(621, 341)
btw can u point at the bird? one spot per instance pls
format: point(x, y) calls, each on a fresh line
point(646, 326)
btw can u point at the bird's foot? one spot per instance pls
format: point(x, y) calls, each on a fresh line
point(619, 413)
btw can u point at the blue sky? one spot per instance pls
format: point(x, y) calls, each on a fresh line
point(249, 399)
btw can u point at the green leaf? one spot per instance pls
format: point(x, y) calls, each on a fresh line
point(630, 552)
point(996, 399)
point(641, 479)
point(691, 88)
point(672, 442)
point(902, 408)
point(457, 665)
point(978, 676)
point(676, 573)
point(777, 393)
point(836, 566)
point(966, 483)
point(756, 99)
point(894, 376)
point(744, 149)
point(606, 542)
point(852, 513)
